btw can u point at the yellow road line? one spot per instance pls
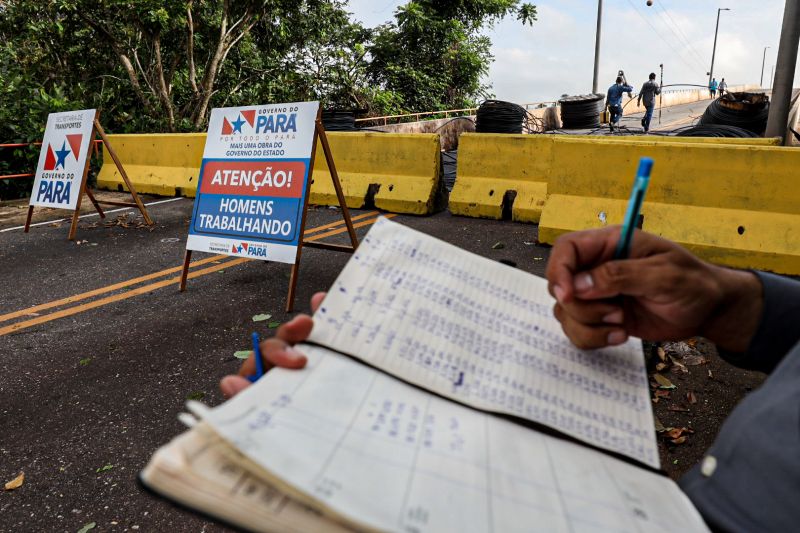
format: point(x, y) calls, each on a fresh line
point(121, 285)
point(154, 286)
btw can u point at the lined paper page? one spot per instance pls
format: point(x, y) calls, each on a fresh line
point(484, 334)
point(200, 469)
point(386, 455)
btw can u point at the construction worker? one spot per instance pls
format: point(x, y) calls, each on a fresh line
point(648, 93)
point(712, 88)
point(614, 100)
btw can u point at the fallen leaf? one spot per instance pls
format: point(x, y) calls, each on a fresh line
point(662, 394)
point(710, 375)
point(196, 395)
point(663, 382)
point(695, 360)
point(273, 325)
point(87, 527)
point(242, 354)
point(85, 361)
point(674, 433)
point(678, 364)
point(261, 318)
point(691, 398)
point(675, 462)
point(662, 354)
point(660, 367)
point(104, 468)
point(498, 246)
point(16, 482)
point(679, 440)
point(659, 426)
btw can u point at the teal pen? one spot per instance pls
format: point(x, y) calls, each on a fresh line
point(623, 249)
point(257, 355)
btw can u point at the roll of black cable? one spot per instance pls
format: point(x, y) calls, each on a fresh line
point(748, 111)
point(334, 120)
point(716, 130)
point(496, 116)
point(581, 112)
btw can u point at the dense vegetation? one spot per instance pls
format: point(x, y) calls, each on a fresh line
point(152, 66)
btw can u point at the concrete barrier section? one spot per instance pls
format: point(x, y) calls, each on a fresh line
point(400, 171)
point(494, 169)
point(164, 164)
point(497, 172)
point(734, 205)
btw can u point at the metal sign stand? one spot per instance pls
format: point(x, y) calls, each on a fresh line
point(319, 134)
point(137, 202)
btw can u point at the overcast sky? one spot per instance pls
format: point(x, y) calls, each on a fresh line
point(555, 56)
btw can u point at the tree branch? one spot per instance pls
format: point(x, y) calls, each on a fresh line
point(190, 49)
point(163, 92)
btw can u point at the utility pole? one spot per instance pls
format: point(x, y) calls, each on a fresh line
point(597, 46)
point(763, 59)
point(784, 71)
point(714, 50)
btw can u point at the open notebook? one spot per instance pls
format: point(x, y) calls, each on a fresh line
point(428, 368)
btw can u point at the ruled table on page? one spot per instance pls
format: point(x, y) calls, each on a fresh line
point(388, 456)
point(484, 334)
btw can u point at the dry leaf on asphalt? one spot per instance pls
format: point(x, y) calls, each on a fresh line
point(663, 382)
point(691, 398)
point(678, 364)
point(662, 354)
point(659, 426)
point(660, 367)
point(678, 408)
point(662, 394)
point(679, 440)
point(16, 482)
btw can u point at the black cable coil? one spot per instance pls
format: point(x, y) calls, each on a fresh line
point(748, 111)
point(715, 130)
point(496, 116)
point(333, 120)
point(580, 112)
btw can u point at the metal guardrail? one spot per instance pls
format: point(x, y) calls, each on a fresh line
point(22, 145)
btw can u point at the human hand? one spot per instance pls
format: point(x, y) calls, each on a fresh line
point(662, 292)
point(276, 351)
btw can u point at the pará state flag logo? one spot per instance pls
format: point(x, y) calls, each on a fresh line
point(57, 159)
point(241, 249)
point(233, 125)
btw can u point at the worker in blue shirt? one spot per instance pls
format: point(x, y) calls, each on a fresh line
point(614, 100)
point(712, 87)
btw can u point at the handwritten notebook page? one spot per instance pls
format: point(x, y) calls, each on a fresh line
point(484, 334)
point(385, 455)
point(200, 469)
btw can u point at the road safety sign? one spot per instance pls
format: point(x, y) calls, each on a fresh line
point(253, 181)
point(63, 159)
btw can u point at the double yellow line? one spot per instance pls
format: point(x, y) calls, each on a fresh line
point(317, 233)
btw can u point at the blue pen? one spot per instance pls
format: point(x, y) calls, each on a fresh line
point(257, 355)
point(623, 249)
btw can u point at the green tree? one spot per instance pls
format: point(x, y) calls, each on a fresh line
point(432, 56)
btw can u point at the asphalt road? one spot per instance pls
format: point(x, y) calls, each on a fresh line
point(91, 386)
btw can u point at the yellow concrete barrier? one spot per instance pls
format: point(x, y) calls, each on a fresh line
point(491, 165)
point(403, 167)
point(758, 141)
point(166, 164)
point(734, 205)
